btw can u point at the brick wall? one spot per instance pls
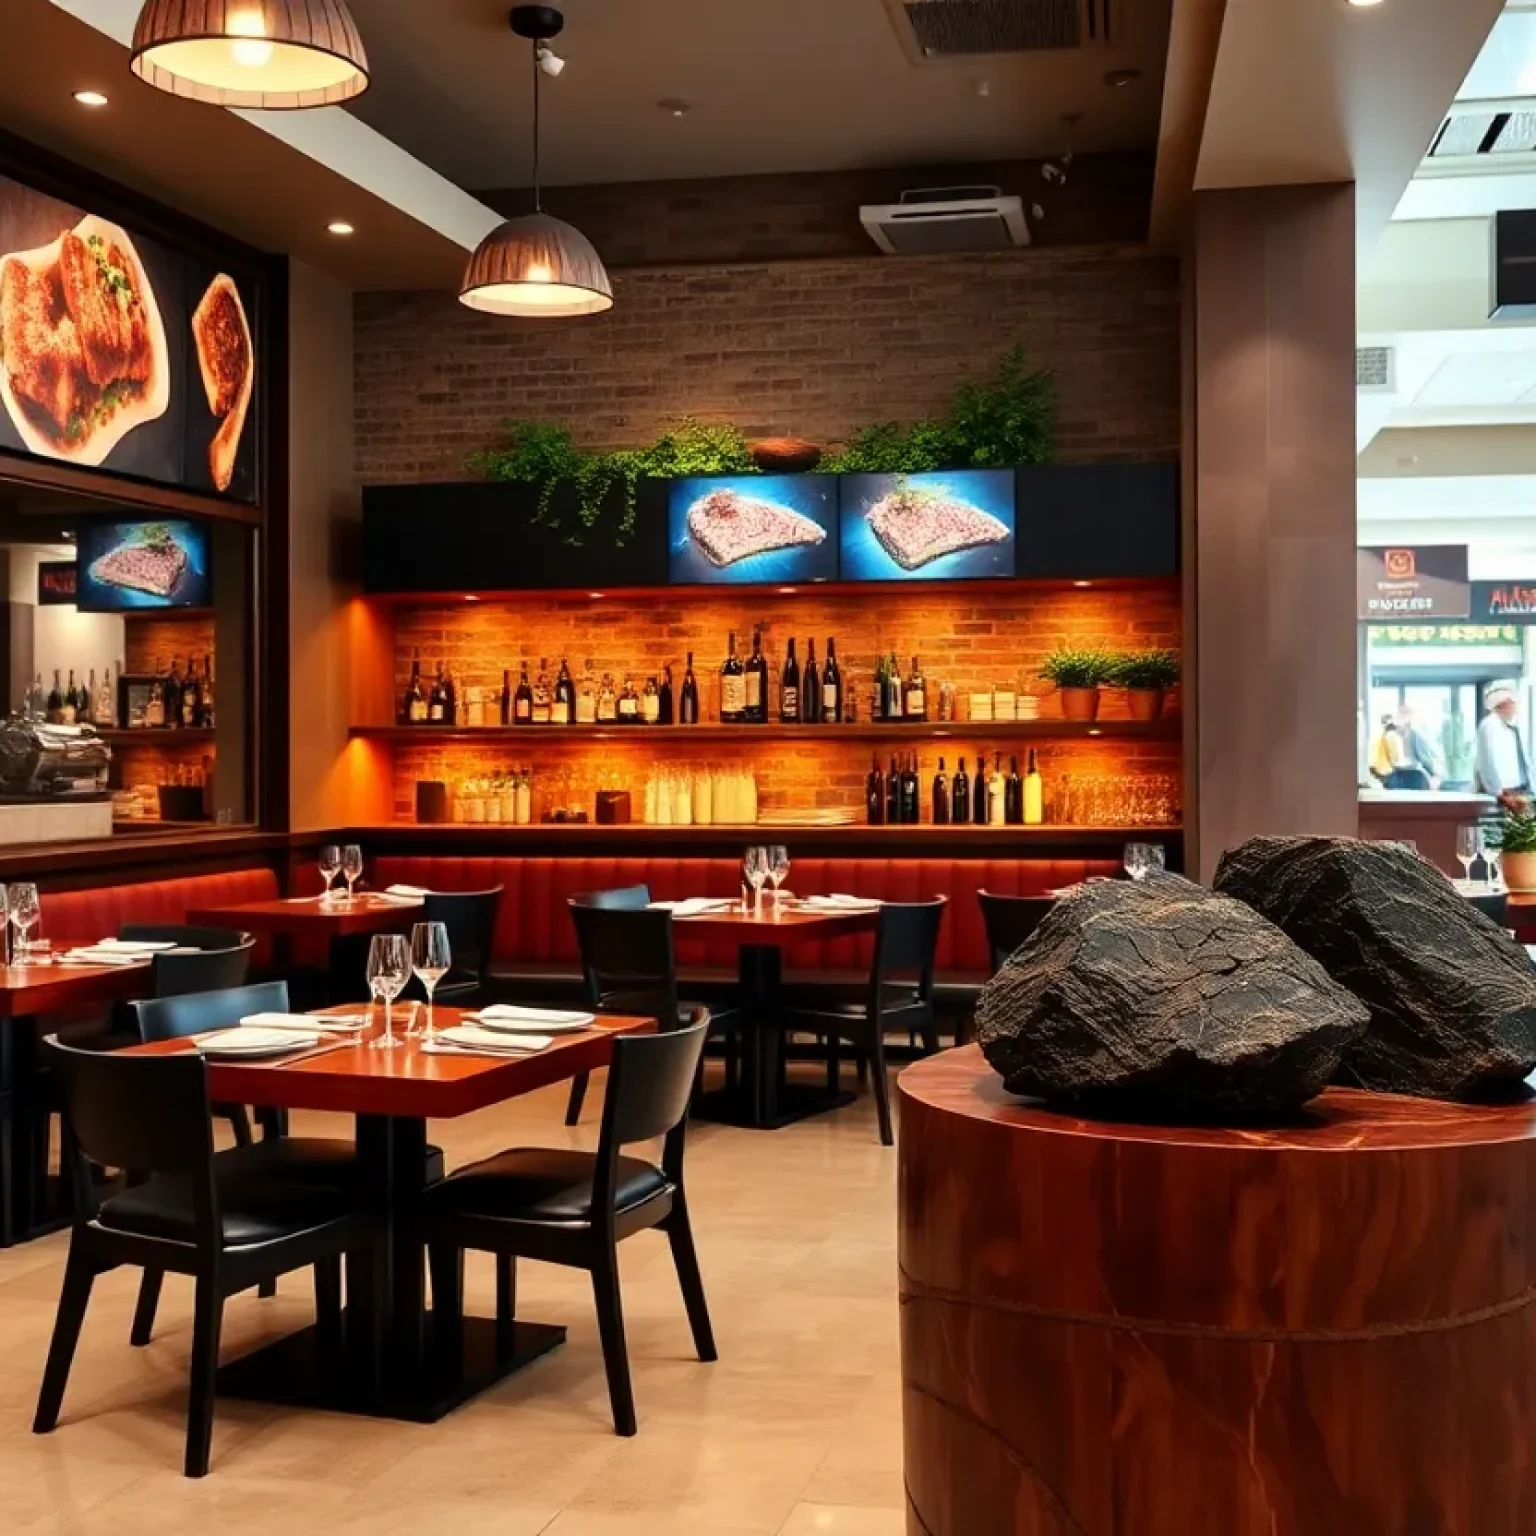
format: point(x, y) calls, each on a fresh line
point(813, 348)
point(150, 643)
point(973, 640)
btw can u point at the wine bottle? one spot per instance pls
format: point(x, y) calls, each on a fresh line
point(1034, 793)
point(688, 704)
point(522, 699)
point(154, 708)
point(450, 697)
point(893, 794)
point(979, 792)
point(586, 696)
point(940, 797)
point(960, 796)
point(893, 689)
point(506, 695)
point(757, 680)
point(874, 794)
point(832, 687)
point(607, 701)
point(810, 694)
point(629, 703)
point(1013, 796)
point(562, 709)
point(191, 698)
point(666, 712)
point(543, 699)
point(71, 710)
point(995, 793)
point(911, 812)
point(733, 686)
point(105, 712)
point(650, 702)
point(413, 702)
point(171, 693)
point(915, 706)
point(210, 720)
point(54, 709)
point(877, 696)
point(789, 687)
point(437, 700)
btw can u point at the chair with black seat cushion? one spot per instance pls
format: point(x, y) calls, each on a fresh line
point(229, 1219)
point(574, 1208)
point(470, 918)
point(1010, 920)
point(897, 995)
point(629, 965)
point(203, 970)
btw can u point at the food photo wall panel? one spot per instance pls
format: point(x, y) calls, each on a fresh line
point(945, 525)
point(743, 529)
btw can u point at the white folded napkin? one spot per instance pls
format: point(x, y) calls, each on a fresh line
point(691, 906)
point(497, 1041)
point(843, 902)
point(408, 892)
point(515, 1013)
point(99, 957)
point(309, 1023)
point(135, 946)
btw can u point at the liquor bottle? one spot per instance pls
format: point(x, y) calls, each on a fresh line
point(893, 794)
point(413, 702)
point(1034, 793)
point(789, 688)
point(105, 712)
point(995, 793)
point(562, 709)
point(154, 706)
point(586, 697)
point(83, 708)
point(664, 708)
point(874, 794)
point(960, 796)
point(437, 700)
point(832, 687)
point(506, 696)
point(522, 700)
point(650, 703)
point(543, 703)
point(940, 797)
point(757, 680)
point(171, 693)
point(607, 701)
point(733, 687)
point(71, 710)
point(979, 793)
point(450, 697)
point(37, 701)
point(210, 720)
point(810, 693)
point(53, 711)
point(191, 698)
point(916, 704)
point(894, 709)
point(629, 703)
point(1013, 796)
point(911, 812)
point(877, 695)
point(688, 703)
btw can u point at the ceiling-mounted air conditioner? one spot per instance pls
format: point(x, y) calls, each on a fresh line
point(930, 221)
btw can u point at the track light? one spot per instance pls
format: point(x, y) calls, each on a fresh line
point(549, 61)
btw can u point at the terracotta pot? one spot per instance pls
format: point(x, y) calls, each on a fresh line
point(1145, 703)
point(1080, 703)
point(1519, 871)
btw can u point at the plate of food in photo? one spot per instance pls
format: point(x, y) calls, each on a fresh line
point(226, 359)
point(83, 358)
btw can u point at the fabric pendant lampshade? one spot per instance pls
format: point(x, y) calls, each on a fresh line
point(536, 266)
point(271, 54)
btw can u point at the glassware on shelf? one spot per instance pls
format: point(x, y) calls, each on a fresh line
point(389, 968)
point(431, 960)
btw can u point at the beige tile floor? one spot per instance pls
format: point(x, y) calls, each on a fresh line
point(794, 1432)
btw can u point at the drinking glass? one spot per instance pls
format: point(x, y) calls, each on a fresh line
point(755, 867)
point(1142, 858)
point(1469, 848)
point(778, 869)
point(389, 968)
point(1491, 858)
point(430, 959)
point(351, 866)
point(23, 913)
point(5, 928)
point(330, 867)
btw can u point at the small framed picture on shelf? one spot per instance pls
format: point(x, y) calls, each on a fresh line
point(135, 698)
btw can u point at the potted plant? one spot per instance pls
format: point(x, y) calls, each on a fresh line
point(1513, 834)
point(1077, 675)
point(1146, 677)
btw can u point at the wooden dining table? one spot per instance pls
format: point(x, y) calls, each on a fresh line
point(763, 1101)
point(297, 916)
point(393, 1094)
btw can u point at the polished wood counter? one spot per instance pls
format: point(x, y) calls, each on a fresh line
point(1124, 1330)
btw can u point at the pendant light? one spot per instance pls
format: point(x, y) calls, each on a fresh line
point(272, 54)
point(536, 265)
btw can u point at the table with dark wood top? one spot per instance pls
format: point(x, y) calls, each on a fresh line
point(393, 1093)
point(299, 915)
point(28, 993)
point(764, 1101)
point(1522, 915)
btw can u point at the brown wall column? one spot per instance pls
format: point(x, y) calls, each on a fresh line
point(1270, 515)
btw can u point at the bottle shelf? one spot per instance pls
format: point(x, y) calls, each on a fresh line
point(120, 736)
point(1168, 728)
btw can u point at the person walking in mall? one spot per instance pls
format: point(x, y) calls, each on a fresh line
point(1503, 769)
point(1420, 768)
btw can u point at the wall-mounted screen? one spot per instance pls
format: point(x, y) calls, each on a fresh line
point(948, 525)
point(128, 565)
point(752, 528)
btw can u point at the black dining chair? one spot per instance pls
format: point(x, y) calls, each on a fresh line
point(1009, 921)
point(629, 965)
point(177, 972)
point(229, 1219)
point(470, 917)
point(574, 1208)
point(897, 995)
point(186, 935)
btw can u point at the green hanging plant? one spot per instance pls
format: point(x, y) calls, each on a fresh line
point(1010, 420)
point(891, 448)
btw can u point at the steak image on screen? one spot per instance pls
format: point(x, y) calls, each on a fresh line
point(729, 527)
point(153, 562)
point(915, 527)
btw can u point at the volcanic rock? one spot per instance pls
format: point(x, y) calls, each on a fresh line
point(1159, 997)
point(1452, 997)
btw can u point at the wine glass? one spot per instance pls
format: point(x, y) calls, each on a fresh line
point(351, 867)
point(430, 960)
point(1469, 849)
point(5, 929)
point(1135, 860)
point(778, 869)
point(23, 913)
point(330, 867)
point(754, 866)
point(389, 968)
point(1492, 854)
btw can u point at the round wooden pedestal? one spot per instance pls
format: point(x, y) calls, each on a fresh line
point(1120, 1330)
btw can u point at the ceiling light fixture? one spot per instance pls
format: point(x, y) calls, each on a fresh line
point(340, 227)
point(278, 55)
point(549, 62)
point(90, 98)
point(535, 265)
point(1362, 5)
point(675, 106)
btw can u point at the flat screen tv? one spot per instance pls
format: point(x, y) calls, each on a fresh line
point(945, 525)
point(752, 528)
point(161, 563)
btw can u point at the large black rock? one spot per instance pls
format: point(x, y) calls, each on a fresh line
point(1160, 998)
point(1452, 997)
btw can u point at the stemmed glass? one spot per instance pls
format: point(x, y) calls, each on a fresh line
point(351, 867)
point(330, 867)
point(778, 869)
point(389, 968)
point(1491, 857)
point(1141, 859)
point(754, 866)
point(1469, 848)
point(23, 914)
point(431, 959)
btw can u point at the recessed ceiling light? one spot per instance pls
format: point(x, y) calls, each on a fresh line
point(1116, 79)
point(1361, 5)
point(675, 106)
point(340, 227)
point(90, 98)
point(594, 594)
point(471, 597)
point(1082, 583)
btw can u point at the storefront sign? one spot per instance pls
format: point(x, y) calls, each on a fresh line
point(1497, 602)
point(1427, 582)
point(1444, 634)
point(55, 583)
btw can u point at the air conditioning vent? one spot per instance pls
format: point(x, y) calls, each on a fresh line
point(1375, 370)
point(945, 221)
point(936, 30)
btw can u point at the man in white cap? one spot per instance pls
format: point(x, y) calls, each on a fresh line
point(1503, 769)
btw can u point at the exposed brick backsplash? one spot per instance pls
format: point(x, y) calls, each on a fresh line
point(149, 642)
